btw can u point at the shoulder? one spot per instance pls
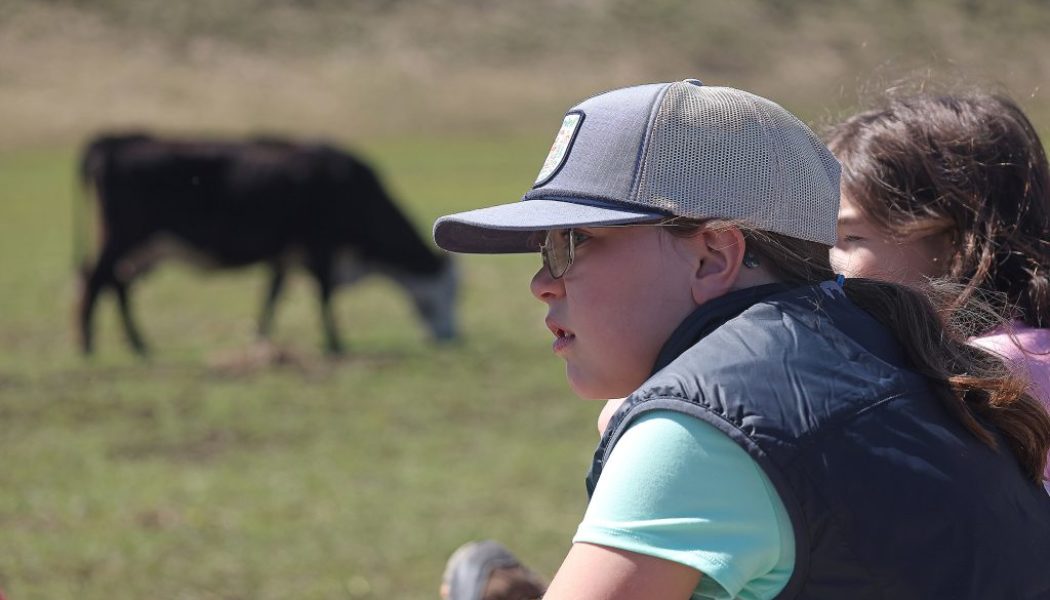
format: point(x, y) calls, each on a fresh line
point(668, 436)
point(667, 452)
point(1025, 347)
point(1016, 341)
point(677, 488)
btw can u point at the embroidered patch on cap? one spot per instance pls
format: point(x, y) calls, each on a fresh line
point(560, 147)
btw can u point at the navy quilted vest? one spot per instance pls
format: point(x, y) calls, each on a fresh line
point(890, 496)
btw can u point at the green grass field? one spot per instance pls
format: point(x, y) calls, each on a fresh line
point(213, 472)
point(196, 474)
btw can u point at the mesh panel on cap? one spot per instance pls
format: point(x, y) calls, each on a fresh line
point(723, 153)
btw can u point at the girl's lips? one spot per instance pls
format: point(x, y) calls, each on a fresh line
point(562, 341)
point(562, 337)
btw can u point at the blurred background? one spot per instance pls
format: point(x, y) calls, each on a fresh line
point(216, 469)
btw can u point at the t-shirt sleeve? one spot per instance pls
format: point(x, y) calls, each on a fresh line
point(677, 488)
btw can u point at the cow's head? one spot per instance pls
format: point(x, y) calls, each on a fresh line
point(433, 294)
point(435, 298)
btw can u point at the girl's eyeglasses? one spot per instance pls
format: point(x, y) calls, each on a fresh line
point(559, 250)
point(559, 247)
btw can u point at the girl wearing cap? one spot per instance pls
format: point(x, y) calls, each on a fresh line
point(786, 433)
point(953, 187)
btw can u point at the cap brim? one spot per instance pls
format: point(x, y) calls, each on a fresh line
point(509, 228)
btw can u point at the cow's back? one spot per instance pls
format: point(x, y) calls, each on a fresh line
point(237, 202)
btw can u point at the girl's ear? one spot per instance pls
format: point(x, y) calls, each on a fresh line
point(719, 254)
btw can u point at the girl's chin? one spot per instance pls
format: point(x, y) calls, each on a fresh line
point(588, 388)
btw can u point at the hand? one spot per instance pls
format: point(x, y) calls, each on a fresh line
point(611, 406)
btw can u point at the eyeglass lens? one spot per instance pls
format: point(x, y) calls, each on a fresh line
point(557, 251)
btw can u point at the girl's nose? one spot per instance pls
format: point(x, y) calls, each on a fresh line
point(545, 287)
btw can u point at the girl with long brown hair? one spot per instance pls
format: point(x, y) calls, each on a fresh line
point(954, 188)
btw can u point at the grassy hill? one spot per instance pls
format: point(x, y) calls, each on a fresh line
point(374, 68)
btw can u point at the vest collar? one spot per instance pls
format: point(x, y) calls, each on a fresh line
point(709, 316)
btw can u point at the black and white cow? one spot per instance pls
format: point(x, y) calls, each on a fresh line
point(229, 204)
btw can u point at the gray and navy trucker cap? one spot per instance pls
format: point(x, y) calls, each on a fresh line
point(650, 152)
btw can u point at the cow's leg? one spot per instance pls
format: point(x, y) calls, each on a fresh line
point(99, 277)
point(322, 271)
point(132, 332)
point(333, 344)
point(277, 274)
point(86, 312)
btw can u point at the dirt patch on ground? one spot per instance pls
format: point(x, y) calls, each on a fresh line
point(260, 357)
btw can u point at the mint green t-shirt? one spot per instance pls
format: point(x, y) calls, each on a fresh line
point(679, 489)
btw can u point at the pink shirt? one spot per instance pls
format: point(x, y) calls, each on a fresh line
point(1028, 349)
